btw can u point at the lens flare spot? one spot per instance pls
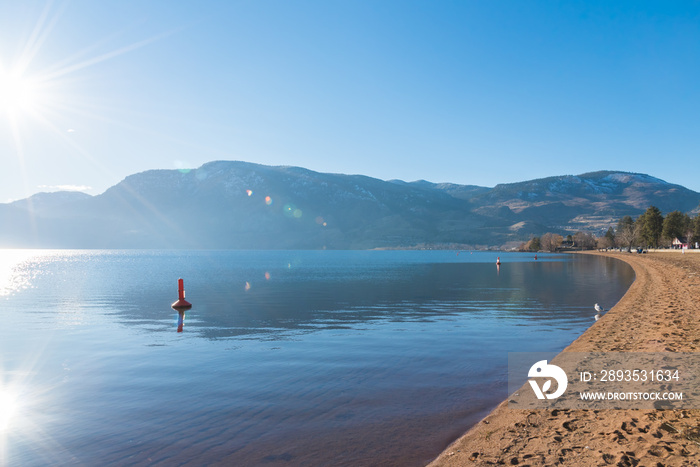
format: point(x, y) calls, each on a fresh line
point(247, 286)
point(319, 220)
point(249, 192)
point(291, 210)
point(182, 166)
point(268, 200)
point(267, 276)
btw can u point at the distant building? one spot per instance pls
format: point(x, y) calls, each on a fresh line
point(679, 243)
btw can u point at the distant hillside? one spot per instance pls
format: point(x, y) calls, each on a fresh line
point(592, 201)
point(229, 204)
point(50, 203)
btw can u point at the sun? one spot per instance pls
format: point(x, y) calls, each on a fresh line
point(18, 94)
point(46, 90)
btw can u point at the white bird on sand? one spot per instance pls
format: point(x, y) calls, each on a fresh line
point(599, 311)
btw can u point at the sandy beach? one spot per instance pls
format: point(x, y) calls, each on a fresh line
point(659, 313)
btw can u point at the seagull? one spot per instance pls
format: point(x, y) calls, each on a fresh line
point(599, 311)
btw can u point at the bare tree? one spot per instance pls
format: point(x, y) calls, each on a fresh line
point(605, 242)
point(550, 241)
point(556, 241)
point(629, 234)
point(584, 240)
point(533, 245)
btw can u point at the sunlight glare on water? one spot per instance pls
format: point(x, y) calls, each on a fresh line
point(14, 273)
point(8, 408)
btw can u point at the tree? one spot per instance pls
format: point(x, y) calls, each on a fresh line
point(604, 242)
point(627, 232)
point(623, 223)
point(556, 241)
point(689, 228)
point(531, 245)
point(651, 224)
point(696, 230)
point(551, 242)
point(584, 240)
point(610, 236)
point(675, 225)
point(607, 240)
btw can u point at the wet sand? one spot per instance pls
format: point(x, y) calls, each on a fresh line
point(659, 313)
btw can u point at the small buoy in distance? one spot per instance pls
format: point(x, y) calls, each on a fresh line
point(498, 260)
point(181, 303)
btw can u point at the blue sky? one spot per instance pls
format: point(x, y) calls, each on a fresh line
point(471, 92)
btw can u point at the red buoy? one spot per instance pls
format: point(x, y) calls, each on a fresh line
point(498, 261)
point(181, 303)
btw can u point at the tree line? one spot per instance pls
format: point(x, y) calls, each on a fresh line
point(554, 242)
point(653, 230)
point(649, 230)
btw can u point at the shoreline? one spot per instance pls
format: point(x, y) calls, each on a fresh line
point(658, 313)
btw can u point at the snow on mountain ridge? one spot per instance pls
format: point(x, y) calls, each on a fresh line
point(622, 177)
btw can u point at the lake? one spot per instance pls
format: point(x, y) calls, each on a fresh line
point(286, 357)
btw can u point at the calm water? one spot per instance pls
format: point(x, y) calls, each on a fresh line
point(286, 358)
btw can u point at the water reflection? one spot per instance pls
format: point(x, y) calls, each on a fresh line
point(17, 269)
point(291, 294)
point(9, 405)
point(552, 292)
point(25, 407)
point(378, 357)
point(180, 320)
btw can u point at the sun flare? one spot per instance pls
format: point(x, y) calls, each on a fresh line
point(48, 88)
point(8, 407)
point(17, 93)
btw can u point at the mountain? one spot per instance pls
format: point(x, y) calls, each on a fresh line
point(230, 204)
point(50, 203)
point(591, 202)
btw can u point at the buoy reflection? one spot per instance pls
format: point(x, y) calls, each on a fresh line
point(180, 320)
